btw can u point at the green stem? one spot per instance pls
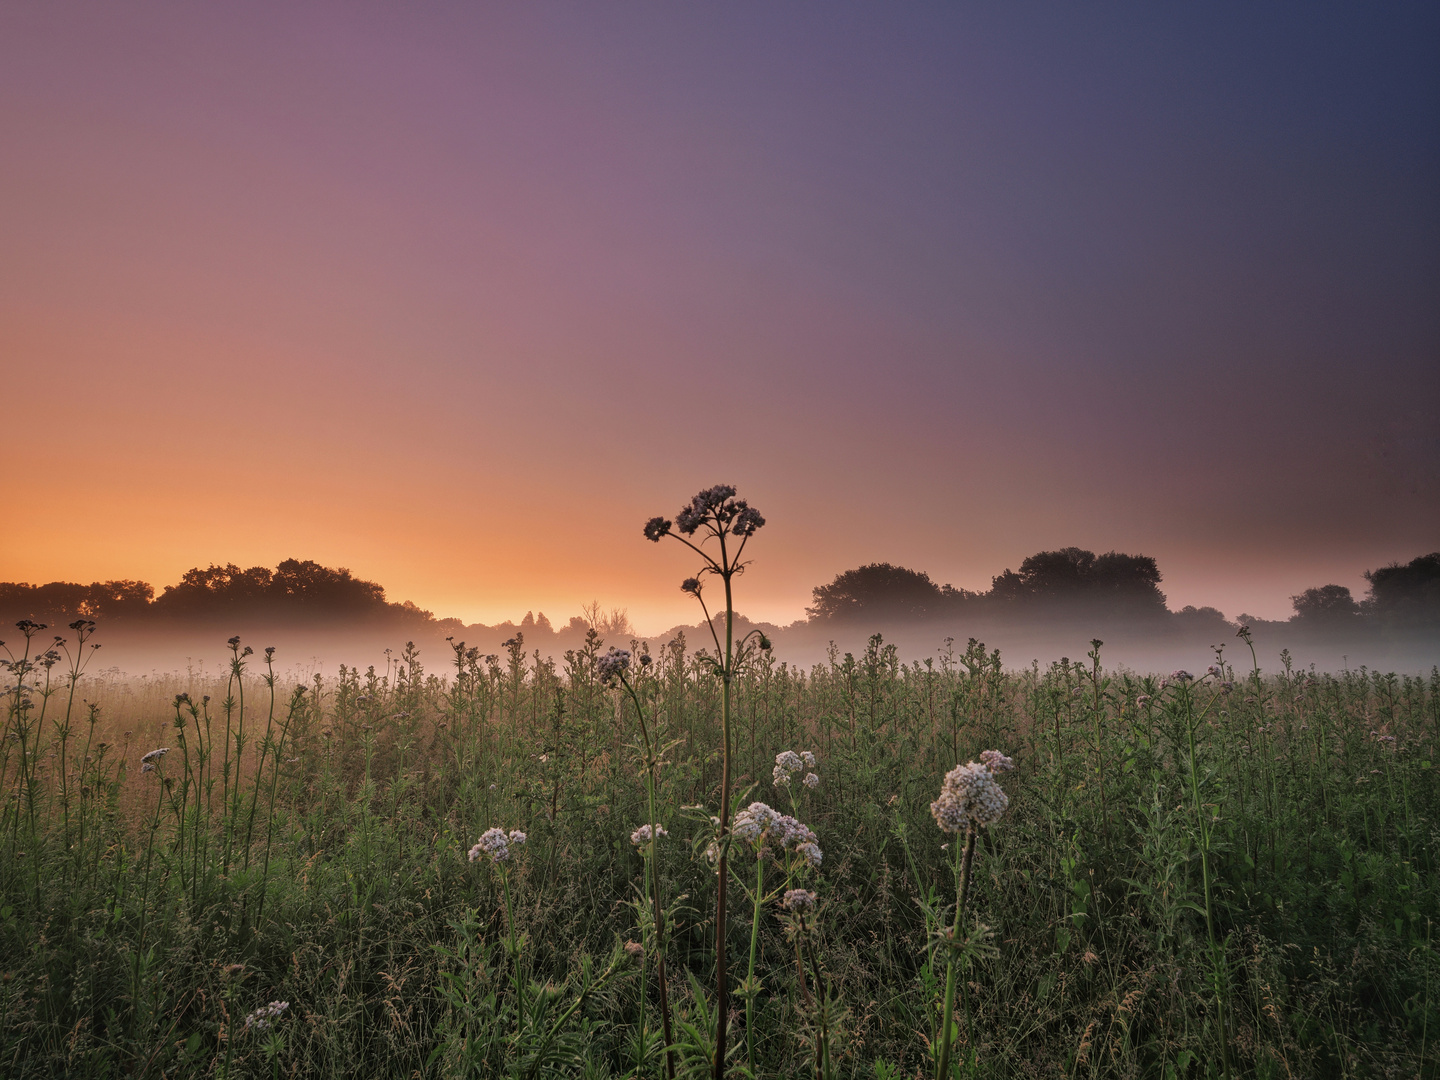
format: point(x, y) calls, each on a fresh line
point(942, 1070)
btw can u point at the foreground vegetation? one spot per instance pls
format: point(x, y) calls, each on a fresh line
point(331, 863)
point(526, 867)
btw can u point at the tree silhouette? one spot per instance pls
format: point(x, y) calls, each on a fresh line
point(877, 590)
point(1328, 604)
point(1410, 592)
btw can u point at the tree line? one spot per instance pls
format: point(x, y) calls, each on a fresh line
point(1048, 583)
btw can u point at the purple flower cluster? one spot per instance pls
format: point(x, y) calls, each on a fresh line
point(612, 665)
point(759, 823)
point(495, 844)
point(715, 506)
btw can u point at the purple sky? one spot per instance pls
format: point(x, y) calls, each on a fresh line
point(458, 295)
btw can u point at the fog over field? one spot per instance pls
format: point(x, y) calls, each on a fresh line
point(318, 618)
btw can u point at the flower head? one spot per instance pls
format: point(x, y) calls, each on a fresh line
point(266, 1015)
point(798, 901)
point(996, 762)
point(655, 528)
point(612, 665)
point(808, 758)
point(155, 755)
point(811, 780)
point(691, 585)
point(1181, 676)
point(642, 834)
point(969, 796)
point(495, 844)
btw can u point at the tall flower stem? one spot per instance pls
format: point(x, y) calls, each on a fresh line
point(722, 988)
point(942, 1070)
point(722, 516)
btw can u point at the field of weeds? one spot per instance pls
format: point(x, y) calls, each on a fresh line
point(505, 865)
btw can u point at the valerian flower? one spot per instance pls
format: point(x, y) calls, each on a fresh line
point(612, 665)
point(996, 762)
point(266, 1015)
point(495, 844)
point(642, 834)
point(798, 901)
point(655, 528)
point(155, 755)
point(969, 796)
point(811, 780)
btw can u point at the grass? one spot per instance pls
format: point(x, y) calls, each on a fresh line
point(1188, 881)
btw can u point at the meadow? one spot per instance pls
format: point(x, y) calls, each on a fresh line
point(510, 865)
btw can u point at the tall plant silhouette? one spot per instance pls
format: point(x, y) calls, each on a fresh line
point(721, 526)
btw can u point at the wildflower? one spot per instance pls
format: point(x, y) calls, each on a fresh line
point(1181, 676)
point(1213, 670)
point(155, 755)
point(646, 660)
point(811, 853)
point(691, 585)
point(1226, 687)
point(1142, 701)
point(642, 834)
point(148, 766)
point(495, 844)
point(799, 901)
point(266, 1015)
point(789, 761)
point(655, 528)
point(811, 780)
point(808, 758)
point(969, 795)
point(635, 950)
point(612, 665)
point(232, 971)
point(996, 762)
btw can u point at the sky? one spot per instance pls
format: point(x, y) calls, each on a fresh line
point(458, 295)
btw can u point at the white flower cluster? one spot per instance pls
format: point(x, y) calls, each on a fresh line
point(495, 844)
point(800, 901)
point(969, 795)
point(266, 1015)
point(642, 834)
point(154, 755)
point(788, 763)
point(811, 780)
point(996, 762)
point(758, 823)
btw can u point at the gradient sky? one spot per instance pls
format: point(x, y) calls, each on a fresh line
point(458, 295)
